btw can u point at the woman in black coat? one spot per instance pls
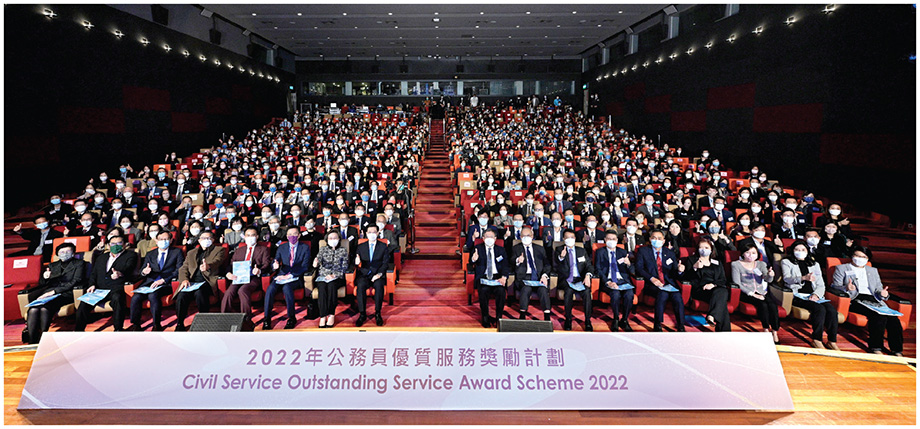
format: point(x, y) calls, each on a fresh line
point(59, 279)
point(707, 279)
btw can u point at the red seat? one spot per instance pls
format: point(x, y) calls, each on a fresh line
point(22, 272)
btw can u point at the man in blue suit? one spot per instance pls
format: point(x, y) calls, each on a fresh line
point(660, 267)
point(574, 270)
point(291, 262)
point(477, 230)
point(491, 265)
point(374, 259)
point(719, 212)
point(160, 268)
point(613, 271)
point(558, 205)
point(538, 219)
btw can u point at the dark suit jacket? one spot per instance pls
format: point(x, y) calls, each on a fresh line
point(501, 262)
point(125, 264)
point(65, 276)
point(647, 267)
point(714, 273)
point(474, 228)
point(727, 216)
point(170, 271)
point(34, 236)
point(261, 258)
point(582, 262)
point(602, 266)
point(552, 206)
point(542, 265)
point(301, 259)
point(372, 265)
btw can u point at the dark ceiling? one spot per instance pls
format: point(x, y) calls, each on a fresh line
point(447, 30)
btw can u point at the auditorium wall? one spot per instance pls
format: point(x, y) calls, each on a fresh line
point(82, 100)
point(827, 103)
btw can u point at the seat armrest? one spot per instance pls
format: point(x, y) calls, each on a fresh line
point(898, 299)
point(837, 292)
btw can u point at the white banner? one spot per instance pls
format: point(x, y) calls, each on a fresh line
point(406, 371)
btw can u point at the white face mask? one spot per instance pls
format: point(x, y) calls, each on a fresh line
point(372, 236)
point(860, 262)
point(791, 206)
point(558, 197)
point(490, 241)
point(755, 210)
point(86, 223)
point(237, 227)
point(834, 212)
point(719, 207)
point(592, 224)
point(605, 217)
point(612, 244)
point(704, 251)
point(788, 220)
point(557, 222)
point(333, 243)
point(527, 240)
point(204, 243)
point(251, 241)
point(570, 242)
point(631, 229)
point(800, 254)
point(538, 213)
point(744, 222)
point(126, 226)
point(759, 234)
point(273, 226)
point(813, 241)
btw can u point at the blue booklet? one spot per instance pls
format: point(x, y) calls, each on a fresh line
point(487, 282)
point(192, 287)
point(145, 289)
point(579, 286)
point(533, 283)
point(94, 297)
point(694, 320)
point(284, 282)
point(625, 286)
point(880, 308)
point(804, 297)
point(42, 301)
point(241, 271)
point(669, 288)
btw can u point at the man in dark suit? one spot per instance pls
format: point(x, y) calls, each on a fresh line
point(574, 268)
point(766, 248)
point(538, 219)
point(559, 205)
point(348, 233)
point(362, 220)
point(632, 239)
point(661, 268)
point(477, 230)
point(260, 262)
point(373, 256)
point(40, 239)
point(648, 208)
point(590, 235)
point(590, 207)
point(159, 268)
point(292, 261)
point(87, 228)
point(202, 264)
point(613, 271)
point(788, 226)
point(110, 272)
point(491, 265)
point(720, 213)
point(530, 264)
point(813, 241)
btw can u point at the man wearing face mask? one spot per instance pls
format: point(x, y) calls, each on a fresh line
point(362, 219)
point(373, 256)
point(538, 219)
point(631, 238)
point(491, 264)
point(296, 218)
point(260, 262)
point(349, 234)
point(384, 233)
point(590, 235)
point(60, 278)
point(40, 239)
point(614, 270)
point(159, 268)
point(813, 243)
point(87, 228)
point(661, 268)
point(531, 265)
point(589, 207)
point(202, 264)
point(478, 229)
point(574, 268)
point(862, 284)
point(719, 212)
point(110, 272)
point(789, 228)
point(559, 205)
point(292, 261)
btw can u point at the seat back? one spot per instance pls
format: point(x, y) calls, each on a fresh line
point(82, 244)
point(22, 269)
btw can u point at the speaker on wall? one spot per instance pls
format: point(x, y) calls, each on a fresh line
point(215, 36)
point(160, 14)
point(515, 325)
point(221, 322)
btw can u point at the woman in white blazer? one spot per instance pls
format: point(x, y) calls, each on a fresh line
point(810, 286)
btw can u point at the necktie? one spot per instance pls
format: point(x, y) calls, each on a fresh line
point(720, 217)
point(763, 252)
point(293, 252)
point(295, 221)
point(614, 274)
point(279, 209)
point(559, 206)
point(533, 268)
point(162, 260)
point(370, 254)
point(489, 263)
point(574, 272)
point(249, 253)
point(658, 262)
point(632, 243)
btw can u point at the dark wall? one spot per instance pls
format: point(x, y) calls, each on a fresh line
point(826, 104)
point(79, 101)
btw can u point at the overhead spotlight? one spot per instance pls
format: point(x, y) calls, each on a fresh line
point(645, 64)
point(790, 20)
point(829, 8)
point(299, 14)
point(634, 67)
point(230, 66)
point(672, 56)
point(261, 75)
point(436, 19)
point(118, 34)
point(166, 48)
point(49, 13)
point(277, 80)
point(87, 25)
point(217, 62)
point(758, 30)
point(689, 51)
point(144, 41)
point(709, 45)
point(202, 58)
point(607, 76)
point(252, 73)
point(623, 71)
point(615, 73)
point(185, 54)
point(730, 39)
point(658, 61)
point(241, 69)
point(598, 78)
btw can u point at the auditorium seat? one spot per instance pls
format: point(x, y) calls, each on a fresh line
point(20, 273)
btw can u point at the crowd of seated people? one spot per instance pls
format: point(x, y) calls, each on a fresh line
point(288, 200)
point(680, 229)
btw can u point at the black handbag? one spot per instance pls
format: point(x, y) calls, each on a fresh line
point(312, 311)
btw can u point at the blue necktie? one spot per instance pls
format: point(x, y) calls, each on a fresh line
point(613, 267)
point(162, 260)
point(370, 256)
point(574, 271)
point(533, 268)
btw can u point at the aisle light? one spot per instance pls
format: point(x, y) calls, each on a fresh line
point(144, 41)
point(88, 25)
point(829, 9)
point(758, 30)
point(790, 20)
point(118, 34)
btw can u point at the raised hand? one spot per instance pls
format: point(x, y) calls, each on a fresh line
point(475, 255)
point(276, 265)
point(17, 228)
point(850, 285)
point(47, 273)
point(146, 269)
point(884, 293)
point(520, 260)
point(680, 266)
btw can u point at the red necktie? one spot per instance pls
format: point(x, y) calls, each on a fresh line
point(294, 250)
point(249, 254)
point(658, 262)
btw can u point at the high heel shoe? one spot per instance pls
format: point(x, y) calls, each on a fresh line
point(833, 346)
point(322, 322)
point(331, 322)
point(817, 344)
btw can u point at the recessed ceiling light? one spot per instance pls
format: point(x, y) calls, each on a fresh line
point(517, 26)
point(482, 13)
point(396, 26)
point(344, 14)
point(435, 13)
point(598, 25)
point(557, 26)
point(253, 14)
point(436, 19)
point(620, 11)
point(574, 11)
point(528, 12)
point(390, 13)
point(477, 26)
point(437, 26)
point(299, 14)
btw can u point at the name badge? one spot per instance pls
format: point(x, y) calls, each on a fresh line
point(351, 238)
point(49, 241)
point(581, 259)
point(668, 262)
point(499, 259)
point(714, 262)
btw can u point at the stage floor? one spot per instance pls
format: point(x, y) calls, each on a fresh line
point(826, 390)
